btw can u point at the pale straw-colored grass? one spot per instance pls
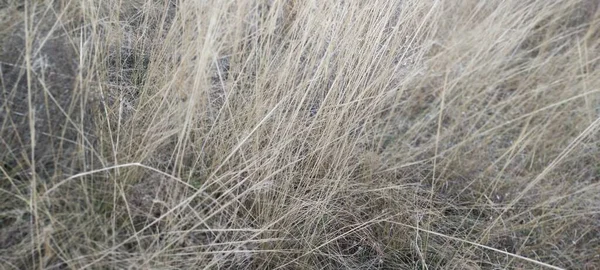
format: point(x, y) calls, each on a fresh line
point(283, 134)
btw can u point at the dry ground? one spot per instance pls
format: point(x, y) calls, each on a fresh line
point(283, 134)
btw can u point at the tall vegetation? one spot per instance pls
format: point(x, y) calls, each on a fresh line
point(283, 134)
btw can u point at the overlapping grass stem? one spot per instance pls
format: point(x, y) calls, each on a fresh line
point(284, 134)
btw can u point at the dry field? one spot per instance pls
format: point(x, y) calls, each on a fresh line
point(289, 134)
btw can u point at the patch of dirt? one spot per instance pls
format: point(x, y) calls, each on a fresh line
point(49, 96)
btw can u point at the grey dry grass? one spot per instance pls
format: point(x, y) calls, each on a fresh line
point(301, 135)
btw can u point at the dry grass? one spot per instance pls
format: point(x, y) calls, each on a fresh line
point(283, 134)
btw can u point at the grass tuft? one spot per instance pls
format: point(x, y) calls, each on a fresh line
point(283, 134)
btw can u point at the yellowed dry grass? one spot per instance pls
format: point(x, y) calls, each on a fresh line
point(283, 134)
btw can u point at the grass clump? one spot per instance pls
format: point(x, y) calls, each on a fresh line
point(300, 134)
